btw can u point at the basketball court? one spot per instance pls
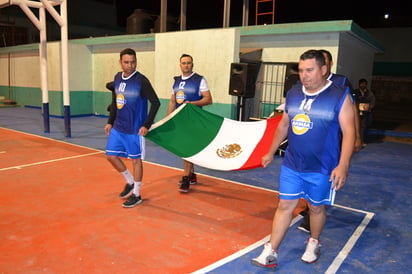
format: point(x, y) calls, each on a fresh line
point(60, 211)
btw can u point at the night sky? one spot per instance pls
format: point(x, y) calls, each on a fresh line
point(209, 13)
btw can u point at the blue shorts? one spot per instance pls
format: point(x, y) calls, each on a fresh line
point(125, 145)
point(314, 187)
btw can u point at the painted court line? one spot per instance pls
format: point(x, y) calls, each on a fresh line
point(50, 161)
point(333, 267)
point(337, 262)
point(48, 138)
point(242, 252)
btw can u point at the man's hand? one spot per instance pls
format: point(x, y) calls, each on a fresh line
point(107, 129)
point(143, 131)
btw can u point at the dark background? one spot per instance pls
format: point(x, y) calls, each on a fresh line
point(209, 13)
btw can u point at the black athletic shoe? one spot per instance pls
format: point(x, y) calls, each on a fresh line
point(184, 187)
point(192, 179)
point(132, 201)
point(305, 224)
point(128, 189)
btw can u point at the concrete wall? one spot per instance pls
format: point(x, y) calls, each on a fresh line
point(212, 50)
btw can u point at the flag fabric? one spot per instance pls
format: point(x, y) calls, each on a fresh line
point(212, 141)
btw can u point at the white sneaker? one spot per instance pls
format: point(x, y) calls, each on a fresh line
point(268, 257)
point(312, 251)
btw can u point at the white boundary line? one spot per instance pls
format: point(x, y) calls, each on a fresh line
point(241, 252)
point(48, 138)
point(333, 267)
point(49, 161)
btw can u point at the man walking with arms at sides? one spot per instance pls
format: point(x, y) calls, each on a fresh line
point(340, 80)
point(129, 122)
point(319, 124)
point(192, 88)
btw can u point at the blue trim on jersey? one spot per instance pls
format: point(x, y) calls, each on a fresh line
point(319, 127)
point(340, 80)
point(188, 89)
point(131, 106)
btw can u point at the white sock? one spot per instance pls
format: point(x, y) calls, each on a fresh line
point(127, 176)
point(136, 189)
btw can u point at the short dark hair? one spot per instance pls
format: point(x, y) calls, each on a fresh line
point(314, 54)
point(363, 80)
point(127, 51)
point(186, 55)
point(327, 52)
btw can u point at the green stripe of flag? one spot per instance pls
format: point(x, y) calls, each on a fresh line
point(187, 132)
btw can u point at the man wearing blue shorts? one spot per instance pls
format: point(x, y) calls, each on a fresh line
point(129, 122)
point(340, 80)
point(320, 126)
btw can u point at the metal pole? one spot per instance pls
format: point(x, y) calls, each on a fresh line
point(226, 14)
point(43, 70)
point(183, 8)
point(65, 68)
point(163, 15)
point(245, 17)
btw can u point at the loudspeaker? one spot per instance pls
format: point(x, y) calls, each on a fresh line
point(243, 79)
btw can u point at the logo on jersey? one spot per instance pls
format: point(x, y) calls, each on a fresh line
point(301, 124)
point(180, 97)
point(120, 101)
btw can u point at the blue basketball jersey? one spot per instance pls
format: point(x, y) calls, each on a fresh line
point(131, 106)
point(187, 89)
point(314, 120)
point(340, 80)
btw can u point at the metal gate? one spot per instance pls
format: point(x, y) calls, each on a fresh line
point(270, 89)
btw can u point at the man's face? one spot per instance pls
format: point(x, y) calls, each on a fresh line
point(311, 75)
point(186, 65)
point(363, 86)
point(128, 64)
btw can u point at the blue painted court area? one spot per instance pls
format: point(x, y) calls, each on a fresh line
point(368, 231)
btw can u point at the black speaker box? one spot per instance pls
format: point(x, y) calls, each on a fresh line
point(243, 79)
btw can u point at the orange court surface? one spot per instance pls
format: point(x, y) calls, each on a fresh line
point(61, 213)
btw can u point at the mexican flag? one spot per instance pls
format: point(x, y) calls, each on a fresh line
point(212, 141)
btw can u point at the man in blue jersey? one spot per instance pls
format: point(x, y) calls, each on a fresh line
point(129, 122)
point(320, 126)
point(192, 88)
point(340, 80)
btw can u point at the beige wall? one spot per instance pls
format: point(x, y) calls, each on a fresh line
point(212, 50)
point(23, 69)
point(80, 68)
point(106, 65)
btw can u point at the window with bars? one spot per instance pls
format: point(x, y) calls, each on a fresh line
point(271, 86)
